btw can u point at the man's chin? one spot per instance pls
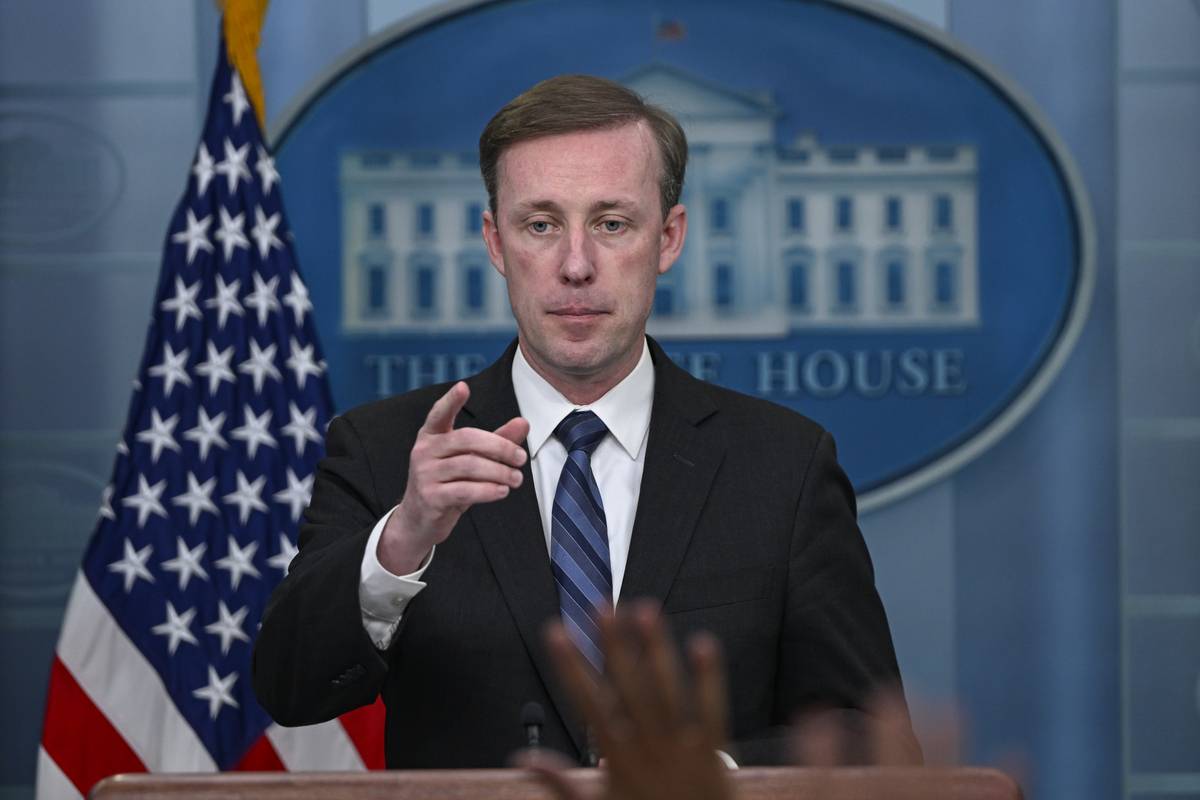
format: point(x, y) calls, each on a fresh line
point(586, 359)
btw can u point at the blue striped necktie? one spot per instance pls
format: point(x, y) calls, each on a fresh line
point(579, 536)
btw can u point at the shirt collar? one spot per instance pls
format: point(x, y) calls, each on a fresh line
point(624, 409)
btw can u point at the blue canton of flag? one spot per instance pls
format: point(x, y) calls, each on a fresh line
point(224, 432)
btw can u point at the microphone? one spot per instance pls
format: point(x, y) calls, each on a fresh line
point(533, 717)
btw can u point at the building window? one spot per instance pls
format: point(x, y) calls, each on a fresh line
point(375, 295)
point(845, 285)
point(425, 219)
point(664, 301)
point(424, 286)
point(894, 288)
point(843, 214)
point(945, 285)
point(376, 221)
point(668, 292)
point(799, 276)
point(474, 218)
point(474, 289)
point(723, 287)
point(893, 214)
point(719, 217)
point(943, 213)
point(795, 215)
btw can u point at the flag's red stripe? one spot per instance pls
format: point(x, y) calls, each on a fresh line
point(364, 726)
point(261, 757)
point(78, 736)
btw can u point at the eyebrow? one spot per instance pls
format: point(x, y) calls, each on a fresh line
point(550, 205)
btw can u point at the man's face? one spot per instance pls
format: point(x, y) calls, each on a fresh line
point(580, 238)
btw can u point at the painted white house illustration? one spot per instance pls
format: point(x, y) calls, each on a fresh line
point(780, 237)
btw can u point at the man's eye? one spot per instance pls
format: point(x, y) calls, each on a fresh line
point(539, 226)
point(612, 225)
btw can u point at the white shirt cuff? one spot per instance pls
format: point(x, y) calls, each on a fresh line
point(727, 759)
point(383, 596)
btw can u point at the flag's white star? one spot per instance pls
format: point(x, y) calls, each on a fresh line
point(122, 448)
point(177, 628)
point(264, 232)
point(247, 498)
point(234, 165)
point(240, 561)
point(263, 299)
point(133, 565)
point(236, 97)
point(197, 498)
point(195, 237)
point(302, 428)
point(300, 361)
point(287, 551)
point(266, 170)
point(146, 500)
point(297, 299)
point(183, 304)
point(186, 562)
point(255, 431)
point(228, 626)
point(207, 432)
point(160, 434)
point(203, 169)
point(296, 495)
point(217, 692)
point(106, 509)
point(231, 233)
point(171, 370)
point(260, 365)
point(216, 368)
point(226, 301)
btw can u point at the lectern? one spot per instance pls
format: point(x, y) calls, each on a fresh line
point(775, 783)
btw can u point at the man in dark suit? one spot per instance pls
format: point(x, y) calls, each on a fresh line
point(449, 524)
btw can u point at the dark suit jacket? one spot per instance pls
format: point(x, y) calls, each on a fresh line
point(745, 527)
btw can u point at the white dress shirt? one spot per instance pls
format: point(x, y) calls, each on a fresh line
point(617, 464)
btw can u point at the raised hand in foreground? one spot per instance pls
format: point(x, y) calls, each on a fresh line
point(659, 733)
point(450, 469)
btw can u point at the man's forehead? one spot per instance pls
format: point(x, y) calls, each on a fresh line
point(630, 148)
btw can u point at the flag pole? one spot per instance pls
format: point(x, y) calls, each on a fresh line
point(242, 23)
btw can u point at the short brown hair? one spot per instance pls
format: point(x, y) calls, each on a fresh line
point(570, 103)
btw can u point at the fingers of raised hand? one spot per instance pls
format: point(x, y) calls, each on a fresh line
point(440, 418)
point(709, 679)
point(642, 669)
point(577, 679)
point(472, 468)
point(516, 430)
point(476, 442)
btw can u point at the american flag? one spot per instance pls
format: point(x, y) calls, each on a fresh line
point(199, 522)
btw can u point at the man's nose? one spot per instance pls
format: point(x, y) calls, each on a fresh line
point(578, 264)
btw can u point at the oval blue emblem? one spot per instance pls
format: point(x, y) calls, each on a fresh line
point(883, 234)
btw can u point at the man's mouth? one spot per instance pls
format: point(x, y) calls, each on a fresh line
point(577, 311)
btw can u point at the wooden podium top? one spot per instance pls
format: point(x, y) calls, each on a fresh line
point(893, 783)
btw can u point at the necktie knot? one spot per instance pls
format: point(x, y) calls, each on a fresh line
point(580, 430)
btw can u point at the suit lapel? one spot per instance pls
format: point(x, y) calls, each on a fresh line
point(510, 533)
point(681, 462)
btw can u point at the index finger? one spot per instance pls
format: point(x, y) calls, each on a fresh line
point(440, 418)
point(580, 684)
point(712, 705)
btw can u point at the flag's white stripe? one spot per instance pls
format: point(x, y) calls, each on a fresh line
point(315, 748)
point(125, 687)
point(52, 782)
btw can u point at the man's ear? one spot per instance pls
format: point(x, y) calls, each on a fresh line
point(674, 231)
point(491, 238)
